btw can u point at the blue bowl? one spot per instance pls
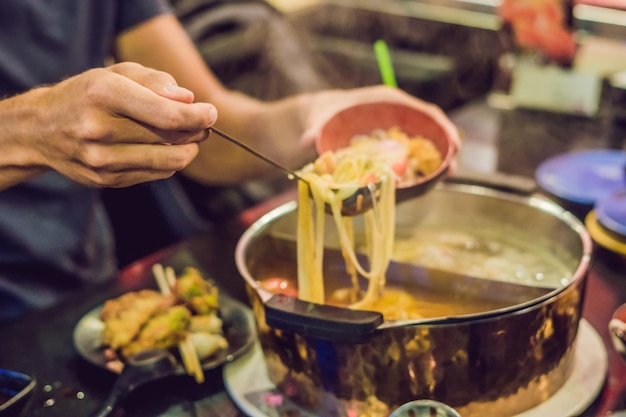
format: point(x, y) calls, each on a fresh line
point(15, 390)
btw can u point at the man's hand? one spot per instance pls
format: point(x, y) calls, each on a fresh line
point(108, 127)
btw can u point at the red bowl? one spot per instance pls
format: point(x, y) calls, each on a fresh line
point(362, 119)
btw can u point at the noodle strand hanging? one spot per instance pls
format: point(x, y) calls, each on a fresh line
point(383, 159)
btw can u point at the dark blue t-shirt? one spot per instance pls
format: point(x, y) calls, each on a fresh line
point(54, 233)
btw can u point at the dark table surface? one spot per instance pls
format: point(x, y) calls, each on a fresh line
point(502, 148)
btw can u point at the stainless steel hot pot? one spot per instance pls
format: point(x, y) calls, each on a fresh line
point(336, 361)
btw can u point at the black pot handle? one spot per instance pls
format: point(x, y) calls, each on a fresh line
point(336, 324)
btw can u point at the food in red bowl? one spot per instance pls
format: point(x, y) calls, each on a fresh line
point(422, 135)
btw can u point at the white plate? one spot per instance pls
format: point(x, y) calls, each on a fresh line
point(249, 374)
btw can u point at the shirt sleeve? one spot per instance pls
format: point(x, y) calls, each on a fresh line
point(134, 12)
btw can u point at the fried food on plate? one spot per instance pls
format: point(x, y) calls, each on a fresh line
point(126, 315)
point(185, 314)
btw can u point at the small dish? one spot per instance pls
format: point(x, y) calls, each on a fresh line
point(424, 408)
point(611, 212)
point(15, 390)
point(583, 177)
point(239, 331)
point(604, 237)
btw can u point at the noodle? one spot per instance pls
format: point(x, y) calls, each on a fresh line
point(383, 159)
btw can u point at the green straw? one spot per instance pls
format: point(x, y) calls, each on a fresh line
point(384, 63)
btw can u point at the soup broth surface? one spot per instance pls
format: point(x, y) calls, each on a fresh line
point(436, 259)
point(501, 258)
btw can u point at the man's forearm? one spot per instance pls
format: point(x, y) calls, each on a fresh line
point(19, 119)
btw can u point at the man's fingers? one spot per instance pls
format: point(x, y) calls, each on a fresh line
point(159, 82)
point(142, 104)
point(127, 131)
point(152, 97)
point(120, 158)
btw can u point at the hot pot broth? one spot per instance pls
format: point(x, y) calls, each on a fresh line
point(407, 296)
point(467, 252)
point(482, 255)
point(489, 243)
point(482, 252)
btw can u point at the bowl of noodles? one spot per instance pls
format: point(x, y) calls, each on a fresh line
point(358, 315)
point(421, 150)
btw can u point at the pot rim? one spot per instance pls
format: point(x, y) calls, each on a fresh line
point(537, 202)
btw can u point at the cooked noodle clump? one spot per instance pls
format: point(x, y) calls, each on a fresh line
point(383, 159)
